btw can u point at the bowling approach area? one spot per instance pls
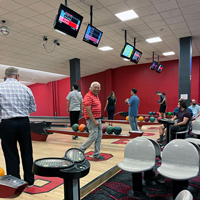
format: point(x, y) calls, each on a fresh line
point(57, 144)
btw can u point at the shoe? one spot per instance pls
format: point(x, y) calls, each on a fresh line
point(158, 140)
point(99, 158)
point(29, 186)
point(74, 137)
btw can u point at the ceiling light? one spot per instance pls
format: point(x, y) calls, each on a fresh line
point(4, 29)
point(106, 48)
point(126, 15)
point(126, 59)
point(153, 40)
point(168, 53)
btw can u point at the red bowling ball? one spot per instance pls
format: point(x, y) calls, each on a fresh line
point(157, 113)
point(103, 129)
point(146, 119)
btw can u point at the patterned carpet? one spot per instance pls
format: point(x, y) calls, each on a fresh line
point(118, 186)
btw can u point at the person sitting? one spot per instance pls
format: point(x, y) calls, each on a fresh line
point(195, 109)
point(183, 114)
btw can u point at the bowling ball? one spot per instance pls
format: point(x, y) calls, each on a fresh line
point(117, 130)
point(140, 118)
point(2, 173)
point(169, 113)
point(154, 113)
point(152, 119)
point(109, 129)
point(150, 113)
point(159, 101)
point(125, 101)
point(103, 129)
point(81, 127)
point(157, 113)
point(159, 118)
point(127, 118)
point(166, 113)
point(75, 127)
point(146, 119)
point(86, 128)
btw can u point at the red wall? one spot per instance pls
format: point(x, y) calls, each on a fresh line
point(43, 98)
point(121, 80)
point(63, 88)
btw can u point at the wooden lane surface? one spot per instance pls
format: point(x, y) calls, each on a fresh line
point(57, 144)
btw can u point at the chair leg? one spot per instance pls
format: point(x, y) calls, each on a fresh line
point(137, 182)
point(178, 186)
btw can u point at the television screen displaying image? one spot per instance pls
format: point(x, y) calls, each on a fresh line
point(92, 35)
point(136, 56)
point(159, 68)
point(127, 51)
point(154, 65)
point(68, 21)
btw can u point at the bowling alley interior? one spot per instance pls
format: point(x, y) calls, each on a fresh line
point(143, 55)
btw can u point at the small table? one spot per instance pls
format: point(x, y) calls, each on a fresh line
point(168, 122)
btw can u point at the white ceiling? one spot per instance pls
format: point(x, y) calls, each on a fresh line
point(30, 20)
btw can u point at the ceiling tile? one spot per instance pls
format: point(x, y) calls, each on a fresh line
point(26, 12)
point(167, 5)
point(41, 7)
point(171, 13)
point(10, 5)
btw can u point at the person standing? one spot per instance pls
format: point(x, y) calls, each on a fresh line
point(163, 104)
point(133, 103)
point(74, 105)
point(92, 114)
point(16, 102)
point(110, 105)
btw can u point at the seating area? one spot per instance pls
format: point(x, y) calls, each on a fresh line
point(180, 163)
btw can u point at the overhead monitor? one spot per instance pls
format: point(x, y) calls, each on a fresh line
point(159, 68)
point(67, 21)
point(92, 35)
point(154, 65)
point(136, 55)
point(127, 51)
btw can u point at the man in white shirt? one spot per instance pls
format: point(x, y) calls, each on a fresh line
point(74, 105)
point(16, 102)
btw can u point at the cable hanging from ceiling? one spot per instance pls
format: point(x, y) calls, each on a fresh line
point(55, 43)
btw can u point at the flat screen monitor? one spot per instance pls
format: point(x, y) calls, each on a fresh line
point(92, 35)
point(159, 68)
point(136, 56)
point(154, 65)
point(127, 51)
point(67, 21)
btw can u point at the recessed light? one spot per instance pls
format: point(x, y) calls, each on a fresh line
point(168, 53)
point(126, 59)
point(153, 40)
point(126, 15)
point(106, 48)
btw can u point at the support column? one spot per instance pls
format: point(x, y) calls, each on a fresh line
point(185, 67)
point(75, 74)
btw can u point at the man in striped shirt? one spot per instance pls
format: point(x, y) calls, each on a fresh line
point(16, 102)
point(92, 114)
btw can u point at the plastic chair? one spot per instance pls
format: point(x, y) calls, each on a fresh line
point(184, 195)
point(180, 162)
point(195, 142)
point(196, 128)
point(180, 134)
point(139, 156)
point(150, 174)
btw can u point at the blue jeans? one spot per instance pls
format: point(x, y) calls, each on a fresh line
point(133, 123)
